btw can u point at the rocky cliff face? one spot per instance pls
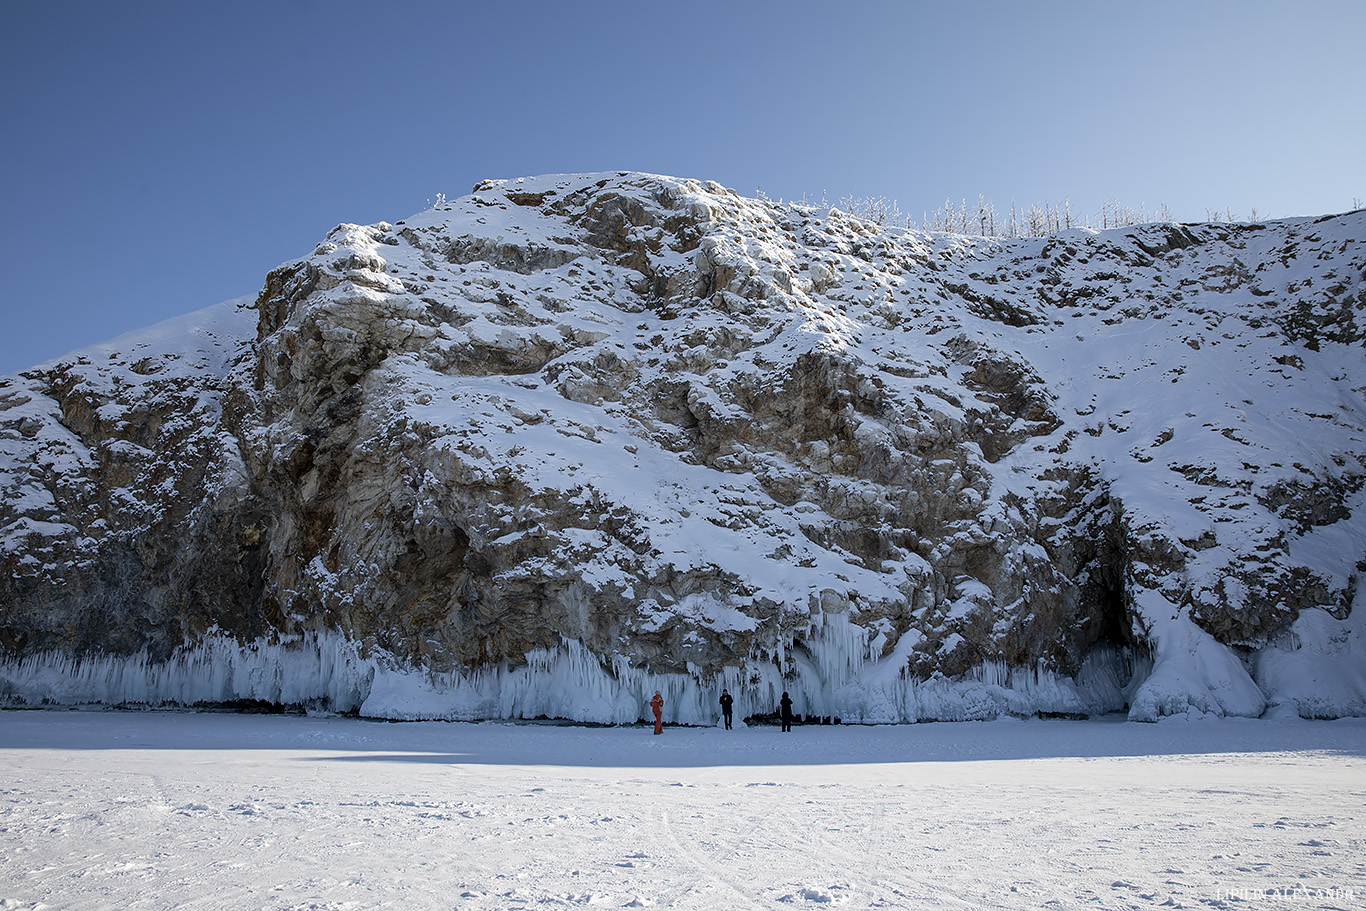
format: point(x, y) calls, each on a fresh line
point(679, 435)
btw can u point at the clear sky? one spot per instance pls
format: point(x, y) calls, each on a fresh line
point(163, 156)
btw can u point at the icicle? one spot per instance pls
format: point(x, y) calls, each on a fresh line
point(325, 670)
point(832, 674)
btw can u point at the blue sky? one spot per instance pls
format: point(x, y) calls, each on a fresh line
point(163, 156)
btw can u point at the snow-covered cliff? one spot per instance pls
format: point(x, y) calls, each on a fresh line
point(572, 439)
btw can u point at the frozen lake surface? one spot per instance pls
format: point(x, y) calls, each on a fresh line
point(153, 810)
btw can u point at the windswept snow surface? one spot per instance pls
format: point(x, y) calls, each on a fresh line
point(151, 810)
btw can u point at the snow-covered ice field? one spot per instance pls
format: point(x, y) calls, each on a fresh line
point(149, 810)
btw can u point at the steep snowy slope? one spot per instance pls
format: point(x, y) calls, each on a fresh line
point(572, 439)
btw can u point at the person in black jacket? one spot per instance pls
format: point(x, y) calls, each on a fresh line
point(786, 711)
point(726, 702)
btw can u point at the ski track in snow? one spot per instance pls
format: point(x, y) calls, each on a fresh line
point(154, 810)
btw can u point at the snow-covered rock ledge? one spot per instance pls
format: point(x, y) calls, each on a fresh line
point(576, 437)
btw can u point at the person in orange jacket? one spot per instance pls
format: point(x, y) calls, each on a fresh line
point(657, 704)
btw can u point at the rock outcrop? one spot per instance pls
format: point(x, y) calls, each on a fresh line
point(648, 430)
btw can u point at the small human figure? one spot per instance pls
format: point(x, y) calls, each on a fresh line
point(657, 704)
point(787, 711)
point(726, 702)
